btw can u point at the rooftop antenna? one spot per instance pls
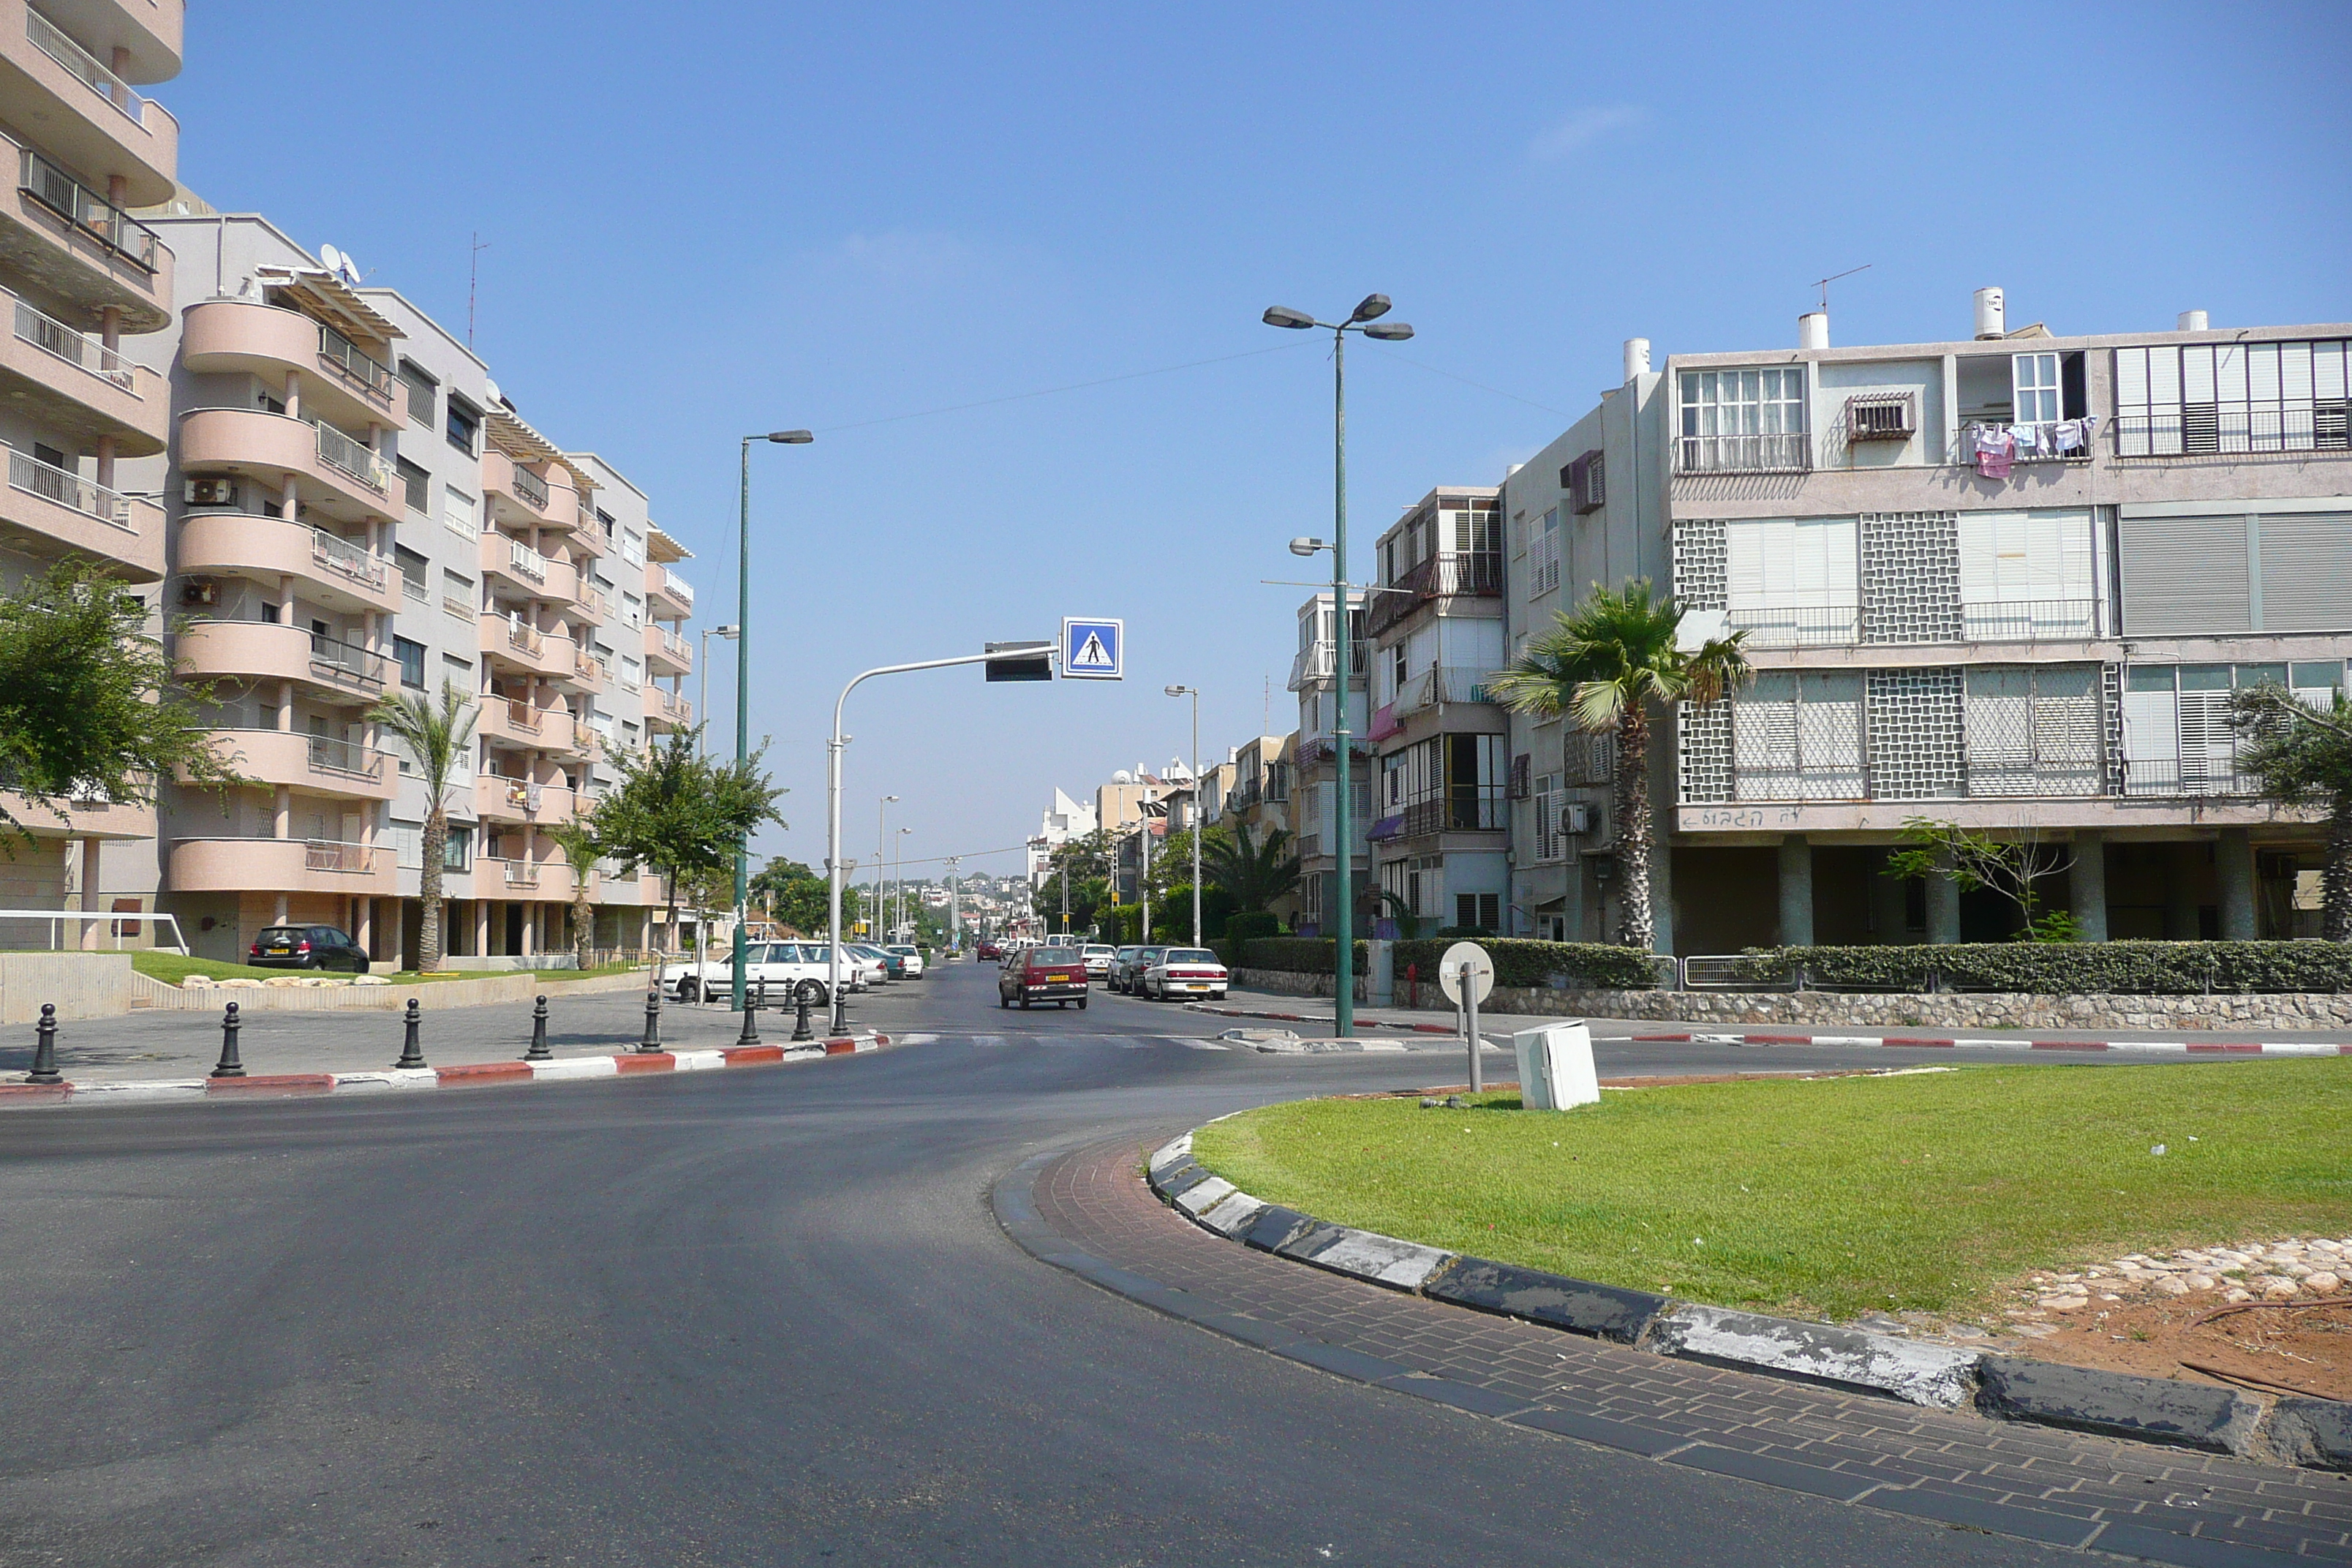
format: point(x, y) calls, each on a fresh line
point(473, 277)
point(1823, 284)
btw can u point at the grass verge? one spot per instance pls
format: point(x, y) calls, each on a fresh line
point(1832, 1196)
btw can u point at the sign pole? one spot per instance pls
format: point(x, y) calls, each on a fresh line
point(1470, 1005)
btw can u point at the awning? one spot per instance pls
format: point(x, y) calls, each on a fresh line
point(332, 299)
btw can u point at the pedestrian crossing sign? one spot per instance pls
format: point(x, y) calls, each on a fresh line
point(1093, 651)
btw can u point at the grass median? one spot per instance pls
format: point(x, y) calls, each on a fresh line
point(1828, 1197)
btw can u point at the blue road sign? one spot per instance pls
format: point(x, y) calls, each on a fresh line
point(1093, 651)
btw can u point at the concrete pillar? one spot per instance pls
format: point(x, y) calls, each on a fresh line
point(105, 449)
point(2235, 863)
point(1943, 909)
point(1662, 893)
point(279, 918)
point(1796, 891)
point(109, 326)
point(294, 394)
point(2086, 885)
point(481, 926)
point(533, 914)
point(2180, 892)
point(363, 920)
point(289, 501)
point(286, 705)
point(281, 823)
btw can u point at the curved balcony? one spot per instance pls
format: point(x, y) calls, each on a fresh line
point(342, 381)
point(64, 381)
point(256, 650)
point(148, 31)
point(68, 236)
point(312, 765)
point(668, 594)
point(667, 712)
point(47, 511)
point(80, 818)
point(281, 865)
point(666, 651)
point(88, 116)
point(499, 799)
point(522, 498)
point(544, 882)
point(513, 722)
point(334, 472)
point(333, 571)
point(521, 571)
point(517, 644)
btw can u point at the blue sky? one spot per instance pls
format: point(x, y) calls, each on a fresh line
point(711, 218)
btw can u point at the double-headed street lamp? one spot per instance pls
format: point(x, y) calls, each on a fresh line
point(1194, 693)
point(743, 685)
point(1365, 320)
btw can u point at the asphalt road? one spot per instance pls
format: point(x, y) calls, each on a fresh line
point(748, 1318)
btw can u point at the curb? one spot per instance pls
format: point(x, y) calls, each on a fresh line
point(2313, 1434)
point(1904, 1042)
point(469, 1075)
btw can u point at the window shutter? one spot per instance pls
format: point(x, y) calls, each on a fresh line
point(1520, 766)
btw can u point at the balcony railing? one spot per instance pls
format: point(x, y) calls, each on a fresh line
point(1784, 454)
point(88, 211)
point(522, 636)
point(371, 377)
point(522, 715)
point(1797, 625)
point(52, 41)
point(1477, 808)
point(676, 646)
point(526, 562)
point(344, 663)
point(592, 600)
point(2030, 620)
point(1479, 572)
point(331, 755)
point(521, 873)
point(2210, 430)
point(339, 451)
point(2169, 778)
point(678, 587)
point(532, 488)
point(77, 349)
point(2036, 442)
point(1315, 662)
point(68, 489)
point(338, 855)
point(345, 559)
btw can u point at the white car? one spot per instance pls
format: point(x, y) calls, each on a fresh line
point(910, 957)
point(1185, 972)
point(781, 966)
point(1098, 956)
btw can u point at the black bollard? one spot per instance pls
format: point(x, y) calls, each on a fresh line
point(230, 1064)
point(652, 1042)
point(411, 1054)
point(539, 1051)
point(45, 1049)
point(801, 1029)
point(754, 997)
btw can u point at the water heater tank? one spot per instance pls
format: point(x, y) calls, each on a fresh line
point(1992, 314)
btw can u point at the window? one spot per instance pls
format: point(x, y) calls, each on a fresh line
point(412, 661)
point(422, 389)
point(465, 424)
point(1481, 909)
point(1543, 555)
point(1798, 736)
point(418, 486)
point(457, 849)
point(414, 572)
point(457, 510)
point(604, 521)
point(1587, 483)
point(2178, 737)
point(1743, 420)
point(2231, 397)
point(2035, 397)
point(1548, 798)
point(632, 549)
point(457, 594)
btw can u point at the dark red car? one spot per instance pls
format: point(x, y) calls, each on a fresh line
point(1056, 974)
point(988, 950)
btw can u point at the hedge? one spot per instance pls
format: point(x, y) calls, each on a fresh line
point(1585, 965)
point(1295, 954)
point(1251, 926)
point(2146, 968)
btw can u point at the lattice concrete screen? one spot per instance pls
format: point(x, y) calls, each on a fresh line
point(1704, 738)
point(1911, 576)
point(1916, 733)
point(2035, 729)
point(1703, 564)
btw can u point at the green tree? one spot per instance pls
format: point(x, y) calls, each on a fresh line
point(582, 850)
point(91, 708)
point(435, 735)
point(2299, 756)
point(794, 894)
point(1253, 875)
point(1608, 665)
point(1971, 859)
point(682, 814)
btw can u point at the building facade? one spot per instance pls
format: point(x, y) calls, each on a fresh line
point(1324, 679)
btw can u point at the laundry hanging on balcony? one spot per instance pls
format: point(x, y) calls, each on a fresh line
point(1994, 448)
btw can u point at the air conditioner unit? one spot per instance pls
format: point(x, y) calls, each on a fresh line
point(1881, 417)
point(1576, 819)
point(218, 492)
point(199, 591)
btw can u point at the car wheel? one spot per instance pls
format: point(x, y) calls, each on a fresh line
point(1003, 1000)
point(1024, 1003)
point(1082, 1004)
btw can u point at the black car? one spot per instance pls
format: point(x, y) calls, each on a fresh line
point(307, 947)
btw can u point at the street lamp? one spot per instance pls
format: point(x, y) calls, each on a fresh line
point(1193, 692)
point(1364, 319)
point(743, 683)
point(702, 704)
point(899, 885)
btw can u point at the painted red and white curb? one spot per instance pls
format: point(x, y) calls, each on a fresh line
point(1897, 1042)
point(470, 1075)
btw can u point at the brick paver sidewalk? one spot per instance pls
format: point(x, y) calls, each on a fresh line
point(2166, 1504)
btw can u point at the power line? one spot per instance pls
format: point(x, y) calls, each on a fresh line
point(1051, 391)
point(1420, 364)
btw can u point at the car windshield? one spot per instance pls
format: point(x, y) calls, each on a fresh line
point(1190, 955)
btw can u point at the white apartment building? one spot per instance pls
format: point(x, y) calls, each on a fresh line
point(1316, 676)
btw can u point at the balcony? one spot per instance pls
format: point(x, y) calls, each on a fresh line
point(2212, 430)
point(1797, 625)
point(280, 865)
point(315, 764)
point(86, 115)
point(516, 642)
point(76, 243)
point(341, 381)
point(1312, 665)
point(665, 710)
point(333, 473)
point(508, 558)
point(520, 498)
point(517, 722)
point(67, 382)
point(47, 511)
point(668, 594)
point(1479, 574)
point(500, 799)
point(1783, 454)
point(667, 653)
point(259, 650)
point(1472, 808)
point(530, 489)
point(2170, 778)
point(1440, 684)
point(333, 571)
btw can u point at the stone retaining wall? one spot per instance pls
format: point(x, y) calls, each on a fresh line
point(1283, 983)
point(81, 985)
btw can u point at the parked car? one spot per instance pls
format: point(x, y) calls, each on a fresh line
point(876, 963)
point(910, 961)
point(307, 947)
point(1097, 957)
point(1185, 972)
point(989, 950)
point(1127, 971)
point(1056, 974)
point(783, 967)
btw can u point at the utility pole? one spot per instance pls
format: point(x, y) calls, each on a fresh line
point(1065, 892)
point(473, 278)
point(955, 908)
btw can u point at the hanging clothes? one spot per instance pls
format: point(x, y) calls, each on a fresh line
point(1996, 451)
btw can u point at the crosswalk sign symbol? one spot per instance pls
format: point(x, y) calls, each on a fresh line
point(1093, 649)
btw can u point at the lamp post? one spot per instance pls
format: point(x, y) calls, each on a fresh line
point(743, 678)
point(702, 702)
point(955, 906)
point(881, 865)
point(898, 884)
point(1364, 319)
point(1193, 692)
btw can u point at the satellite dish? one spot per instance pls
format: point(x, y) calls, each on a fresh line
point(1121, 777)
point(490, 390)
point(350, 269)
point(331, 258)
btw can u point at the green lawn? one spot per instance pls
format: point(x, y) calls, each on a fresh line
point(1830, 1196)
point(171, 968)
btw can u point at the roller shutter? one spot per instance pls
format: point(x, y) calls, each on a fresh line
point(2307, 571)
point(2184, 575)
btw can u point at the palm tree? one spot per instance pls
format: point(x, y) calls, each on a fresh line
point(1253, 875)
point(1605, 666)
point(2298, 755)
point(582, 848)
point(435, 737)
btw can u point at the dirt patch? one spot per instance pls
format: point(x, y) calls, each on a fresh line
point(2268, 1347)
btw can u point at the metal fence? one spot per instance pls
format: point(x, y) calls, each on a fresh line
point(72, 930)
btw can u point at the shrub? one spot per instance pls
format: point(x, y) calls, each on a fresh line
point(1519, 961)
point(1251, 925)
point(2146, 968)
point(1296, 954)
